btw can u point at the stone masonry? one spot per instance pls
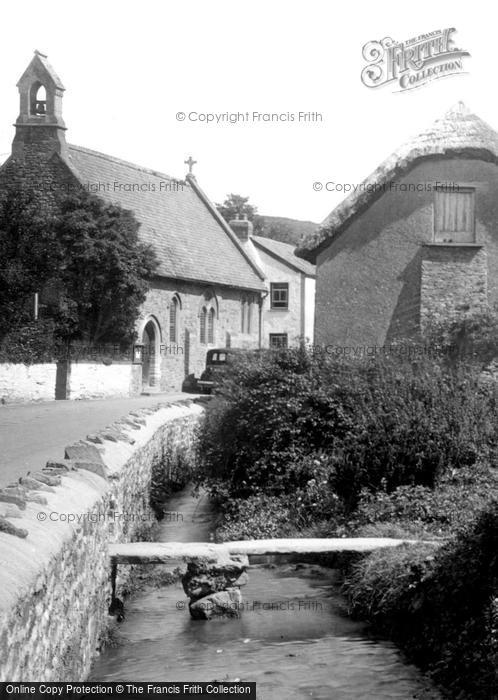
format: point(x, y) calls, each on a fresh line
point(55, 530)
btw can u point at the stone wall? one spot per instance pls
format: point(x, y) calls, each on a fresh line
point(187, 357)
point(55, 528)
point(22, 383)
point(453, 281)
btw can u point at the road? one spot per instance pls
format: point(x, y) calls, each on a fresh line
point(30, 434)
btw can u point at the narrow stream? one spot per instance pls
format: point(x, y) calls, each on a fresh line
point(292, 638)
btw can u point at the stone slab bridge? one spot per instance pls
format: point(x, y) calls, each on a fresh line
point(215, 572)
point(164, 552)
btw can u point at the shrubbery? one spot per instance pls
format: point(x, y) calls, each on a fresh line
point(296, 444)
point(472, 339)
point(286, 418)
point(32, 342)
point(440, 606)
point(420, 511)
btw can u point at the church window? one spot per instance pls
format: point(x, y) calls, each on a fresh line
point(243, 314)
point(203, 319)
point(173, 320)
point(210, 330)
point(454, 218)
point(246, 314)
point(249, 315)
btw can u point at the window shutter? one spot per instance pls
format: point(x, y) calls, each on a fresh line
point(454, 216)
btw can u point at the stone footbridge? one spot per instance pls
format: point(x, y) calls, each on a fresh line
point(164, 552)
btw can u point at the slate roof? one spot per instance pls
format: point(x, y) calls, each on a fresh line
point(191, 240)
point(285, 253)
point(459, 133)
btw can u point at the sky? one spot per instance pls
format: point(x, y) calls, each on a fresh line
point(129, 69)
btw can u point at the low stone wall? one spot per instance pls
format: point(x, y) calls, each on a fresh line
point(55, 529)
point(19, 382)
point(95, 380)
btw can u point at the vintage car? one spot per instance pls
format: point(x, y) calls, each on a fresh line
point(217, 360)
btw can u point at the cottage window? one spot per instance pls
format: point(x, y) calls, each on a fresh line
point(279, 295)
point(454, 218)
point(278, 341)
point(210, 328)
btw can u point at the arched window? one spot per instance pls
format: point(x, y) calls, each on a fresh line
point(203, 319)
point(208, 313)
point(173, 320)
point(210, 333)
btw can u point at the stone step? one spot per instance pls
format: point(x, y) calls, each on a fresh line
point(151, 390)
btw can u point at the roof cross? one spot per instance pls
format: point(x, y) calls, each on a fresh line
point(190, 162)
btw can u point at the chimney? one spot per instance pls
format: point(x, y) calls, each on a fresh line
point(242, 228)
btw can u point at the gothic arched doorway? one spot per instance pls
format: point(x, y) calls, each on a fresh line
point(151, 362)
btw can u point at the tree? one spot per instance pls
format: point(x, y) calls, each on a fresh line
point(29, 254)
point(236, 206)
point(85, 259)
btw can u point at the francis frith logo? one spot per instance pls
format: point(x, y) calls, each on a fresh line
point(412, 63)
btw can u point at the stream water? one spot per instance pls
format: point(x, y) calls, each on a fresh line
point(292, 637)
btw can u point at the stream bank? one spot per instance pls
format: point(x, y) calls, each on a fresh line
point(293, 637)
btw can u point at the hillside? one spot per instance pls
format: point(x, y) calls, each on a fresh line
point(281, 228)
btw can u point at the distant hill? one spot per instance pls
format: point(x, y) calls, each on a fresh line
point(280, 228)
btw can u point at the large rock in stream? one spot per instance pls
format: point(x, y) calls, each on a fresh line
point(212, 584)
point(225, 603)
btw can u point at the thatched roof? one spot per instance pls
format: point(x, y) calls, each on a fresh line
point(459, 133)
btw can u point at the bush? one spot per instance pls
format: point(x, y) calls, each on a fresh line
point(32, 342)
point(380, 422)
point(440, 606)
point(412, 423)
point(470, 339)
point(419, 511)
point(262, 515)
point(270, 412)
point(258, 517)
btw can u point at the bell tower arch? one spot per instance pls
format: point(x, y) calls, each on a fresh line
point(39, 126)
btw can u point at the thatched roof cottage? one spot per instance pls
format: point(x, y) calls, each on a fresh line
point(417, 240)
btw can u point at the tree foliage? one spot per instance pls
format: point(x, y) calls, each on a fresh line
point(84, 258)
point(236, 206)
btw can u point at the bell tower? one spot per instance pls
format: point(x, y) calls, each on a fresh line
point(40, 128)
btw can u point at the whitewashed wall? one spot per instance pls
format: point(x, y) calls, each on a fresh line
point(23, 383)
point(94, 380)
